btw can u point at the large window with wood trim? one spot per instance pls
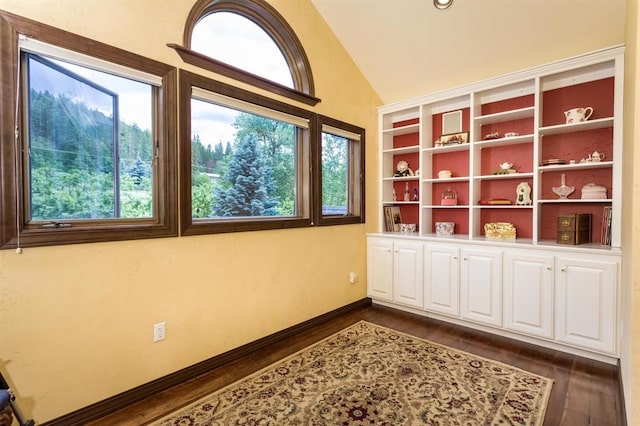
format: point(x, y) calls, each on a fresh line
point(92, 157)
point(256, 163)
point(89, 150)
point(249, 159)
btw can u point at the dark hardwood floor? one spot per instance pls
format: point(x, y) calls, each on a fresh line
point(584, 392)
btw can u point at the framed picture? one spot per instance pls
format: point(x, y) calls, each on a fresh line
point(396, 218)
point(452, 122)
point(454, 138)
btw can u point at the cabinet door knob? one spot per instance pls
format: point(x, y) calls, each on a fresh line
point(464, 258)
point(563, 270)
point(548, 268)
point(455, 257)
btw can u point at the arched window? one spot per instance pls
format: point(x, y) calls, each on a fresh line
point(238, 41)
point(208, 17)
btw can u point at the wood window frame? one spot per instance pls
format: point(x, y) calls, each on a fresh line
point(356, 175)
point(267, 18)
point(14, 231)
point(189, 226)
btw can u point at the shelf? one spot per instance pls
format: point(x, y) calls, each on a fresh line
point(447, 180)
point(501, 206)
point(445, 237)
point(498, 117)
point(577, 166)
point(514, 140)
point(506, 176)
point(511, 104)
point(575, 200)
point(437, 206)
point(401, 178)
point(403, 150)
point(400, 203)
point(524, 241)
point(590, 246)
point(448, 148)
point(402, 130)
point(600, 123)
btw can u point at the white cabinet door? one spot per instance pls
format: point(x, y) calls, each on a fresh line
point(586, 303)
point(528, 293)
point(441, 281)
point(407, 273)
point(380, 268)
point(481, 286)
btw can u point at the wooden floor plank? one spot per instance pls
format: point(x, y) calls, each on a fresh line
point(585, 392)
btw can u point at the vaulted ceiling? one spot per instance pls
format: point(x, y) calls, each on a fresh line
point(407, 48)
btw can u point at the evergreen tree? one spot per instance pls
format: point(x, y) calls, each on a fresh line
point(138, 171)
point(203, 158)
point(218, 152)
point(276, 142)
point(249, 180)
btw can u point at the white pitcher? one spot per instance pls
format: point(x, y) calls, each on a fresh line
point(577, 115)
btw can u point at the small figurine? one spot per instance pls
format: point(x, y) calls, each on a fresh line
point(407, 197)
point(505, 169)
point(403, 169)
point(394, 195)
point(415, 194)
point(494, 135)
point(506, 165)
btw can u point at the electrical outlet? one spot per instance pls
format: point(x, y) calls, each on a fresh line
point(159, 331)
point(353, 277)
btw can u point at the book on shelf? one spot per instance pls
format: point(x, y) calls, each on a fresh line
point(495, 202)
point(393, 218)
point(605, 233)
point(388, 221)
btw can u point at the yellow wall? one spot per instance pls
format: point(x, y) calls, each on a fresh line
point(630, 359)
point(76, 321)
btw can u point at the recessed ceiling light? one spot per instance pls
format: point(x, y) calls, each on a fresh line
point(442, 4)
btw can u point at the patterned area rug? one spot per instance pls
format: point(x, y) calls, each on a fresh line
point(372, 375)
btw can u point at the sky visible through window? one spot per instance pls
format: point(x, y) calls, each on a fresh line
point(134, 98)
point(237, 41)
point(225, 36)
